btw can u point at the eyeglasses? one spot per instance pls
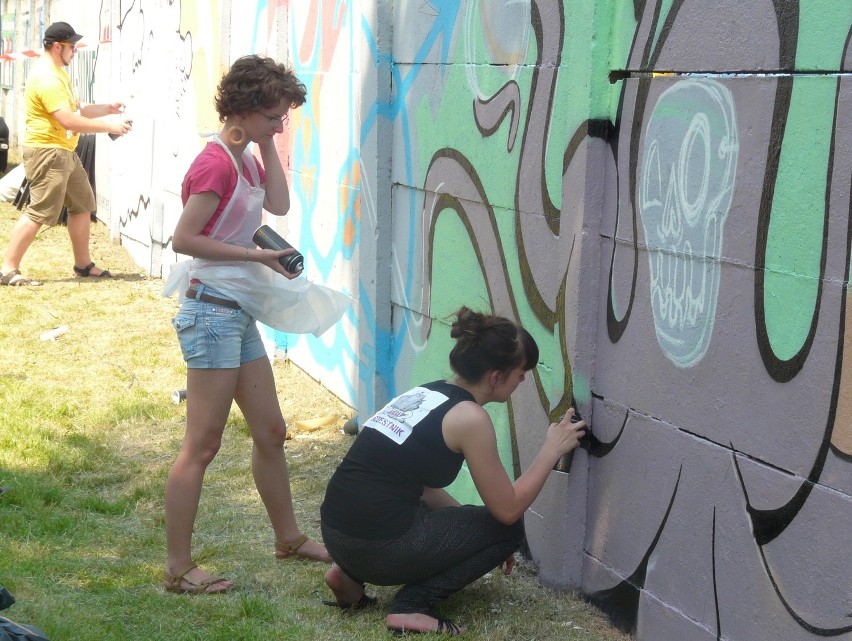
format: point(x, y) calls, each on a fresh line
point(278, 120)
point(69, 44)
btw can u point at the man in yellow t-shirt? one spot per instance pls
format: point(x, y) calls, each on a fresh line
point(55, 119)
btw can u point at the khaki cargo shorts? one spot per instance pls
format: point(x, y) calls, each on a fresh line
point(57, 178)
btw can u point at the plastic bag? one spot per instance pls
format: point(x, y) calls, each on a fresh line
point(297, 306)
point(11, 631)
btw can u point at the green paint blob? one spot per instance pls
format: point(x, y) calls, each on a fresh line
point(794, 239)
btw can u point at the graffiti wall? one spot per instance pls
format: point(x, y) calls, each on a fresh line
point(328, 210)
point(720, 385)
point(660, 191)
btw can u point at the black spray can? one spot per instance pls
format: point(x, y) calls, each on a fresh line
point(116, 136)
point(564, 462)
point(266, 238)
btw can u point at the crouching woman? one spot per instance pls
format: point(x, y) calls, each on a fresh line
point(385, 518)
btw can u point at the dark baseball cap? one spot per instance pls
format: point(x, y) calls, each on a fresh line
point(61, 32)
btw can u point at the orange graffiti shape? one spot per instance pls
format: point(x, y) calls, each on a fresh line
point(328, 30)
point(351, 203)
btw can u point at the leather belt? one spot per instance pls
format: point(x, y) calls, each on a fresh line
point(207, 298)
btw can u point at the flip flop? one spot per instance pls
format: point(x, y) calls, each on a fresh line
point(15, 279)
point(85, 272)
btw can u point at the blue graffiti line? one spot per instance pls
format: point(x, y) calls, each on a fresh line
point(305, 157)
point(447, 14)
point(386, 343)
point(334, 354)
point(255, 36)
point(308, 156)
point(383, 366)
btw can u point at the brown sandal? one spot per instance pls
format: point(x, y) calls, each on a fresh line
point(179, 584)
point(14, 278)
point(290, 549)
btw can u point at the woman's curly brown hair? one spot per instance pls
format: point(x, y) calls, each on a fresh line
point(256, 82)
point(485, 342)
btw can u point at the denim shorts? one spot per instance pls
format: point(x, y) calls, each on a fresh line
point(216, 337)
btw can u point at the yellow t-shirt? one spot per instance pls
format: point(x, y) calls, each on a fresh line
point(48, 90)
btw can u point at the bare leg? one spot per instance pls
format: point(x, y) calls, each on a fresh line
point(209, 394)
point(346, 590)
point(79, 229)
point(257, 398)
point(20, 238)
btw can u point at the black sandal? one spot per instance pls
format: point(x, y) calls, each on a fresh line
point(85, 272)
point(364, 602)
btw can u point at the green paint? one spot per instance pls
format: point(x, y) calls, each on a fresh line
point(588, 58)
point(794, 242)
point(823, 29)
point(582, 387)
point(620, 24)
point(452, 254)
point(443, 117)
point(457, 277)
point(453, 125)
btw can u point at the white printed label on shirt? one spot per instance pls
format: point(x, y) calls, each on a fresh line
point(397, 419)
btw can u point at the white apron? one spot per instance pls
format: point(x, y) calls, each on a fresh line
point(295, 306)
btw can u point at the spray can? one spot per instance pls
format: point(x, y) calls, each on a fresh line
point(116, 136)
point(564, 462)
point(178, 396)
point(350, 427)
point(127, 120)
point(267, 238)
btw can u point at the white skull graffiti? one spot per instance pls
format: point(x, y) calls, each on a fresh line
point(688, 173)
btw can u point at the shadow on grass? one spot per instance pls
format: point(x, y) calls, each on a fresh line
point(93, 280)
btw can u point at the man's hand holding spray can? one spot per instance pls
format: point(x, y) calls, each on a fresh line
point(128, 123)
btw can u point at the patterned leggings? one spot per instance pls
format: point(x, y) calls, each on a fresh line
point(442, 552)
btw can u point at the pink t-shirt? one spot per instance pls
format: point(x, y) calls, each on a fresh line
point(213, 170)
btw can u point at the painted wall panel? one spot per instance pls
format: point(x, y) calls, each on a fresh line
point(711, 321)
point(659, 190)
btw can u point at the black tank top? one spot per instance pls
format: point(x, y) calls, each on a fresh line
point(376, 489)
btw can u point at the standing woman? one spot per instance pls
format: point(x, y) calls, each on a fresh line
point(385, 518)
point(224, 194)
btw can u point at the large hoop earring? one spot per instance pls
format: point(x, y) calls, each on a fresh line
point(236, 135)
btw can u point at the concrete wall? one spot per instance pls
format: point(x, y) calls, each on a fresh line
point(720, 382)
point(659, 190)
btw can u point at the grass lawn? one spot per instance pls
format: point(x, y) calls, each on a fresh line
point(88, 433)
